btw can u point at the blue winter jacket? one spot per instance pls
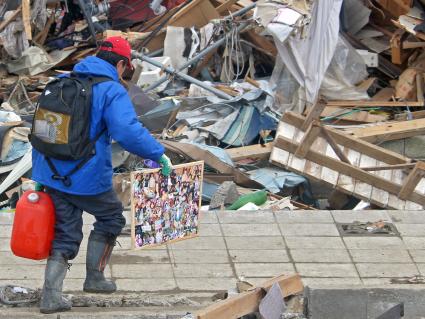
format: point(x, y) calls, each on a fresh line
point(111, 108)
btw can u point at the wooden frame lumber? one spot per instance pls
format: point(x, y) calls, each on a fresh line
point(420, 87)
point(390, 131)
point(388, 167)
point(371, 103)
point(354, 143)
point(349, 170)
point(412, 180)
point(314, 113)
point(334, 146)
point(256, 151)
point(26, 18)
point(308, 139)
point(248, 302)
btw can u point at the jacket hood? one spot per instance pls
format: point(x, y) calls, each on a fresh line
point(95, 66)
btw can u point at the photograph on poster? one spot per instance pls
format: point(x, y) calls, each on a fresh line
point(166, 209)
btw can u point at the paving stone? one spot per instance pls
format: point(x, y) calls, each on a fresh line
point(414, 242)
point(309, 217)
point(314, 282)
point(141, 256)
point(407, 217)
point(246, 217)
point(418, 255)
point(255, 243)
point(349, 216)
point(142, 271)
point(88, 219)
point(263, 269)
point(72, 284)
point(314, 242)
point(5, 231)
point(8, 258)
point(309, 229)
point(382, 282)
point(208, 284)
point(209, 256)
point(202, 270)
point(251, 230)
point(21, 272)
point(331, 270)
point(368, 242)
point(6, 218)
point(208, 230)
point(386, 270)
point(320, 255)
point(258, 256)
point(208, 217)
point(380, 255)
point(146, 284)
point(199, 243)
point(411, 230)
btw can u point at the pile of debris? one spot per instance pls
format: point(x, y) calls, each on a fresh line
point(290, 97)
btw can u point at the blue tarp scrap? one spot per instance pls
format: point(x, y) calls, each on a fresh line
point(274, 180)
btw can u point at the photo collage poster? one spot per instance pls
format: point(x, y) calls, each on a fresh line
point(165, 208)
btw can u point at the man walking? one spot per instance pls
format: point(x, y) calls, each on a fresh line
point(76, 186)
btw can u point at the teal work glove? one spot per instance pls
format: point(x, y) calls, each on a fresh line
point(38, 187)
point(166, 165)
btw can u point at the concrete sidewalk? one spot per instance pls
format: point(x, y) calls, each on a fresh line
point(255, 245)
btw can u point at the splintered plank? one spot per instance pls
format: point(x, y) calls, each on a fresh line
point(394, 201)
point(364, 189)
point(248, 302)
point(379, 195)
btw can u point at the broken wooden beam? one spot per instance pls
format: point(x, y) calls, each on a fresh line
point(334, 145)
point(308, 139)
point(256, 151)
point(248, 302)
point(371, 103)
point(314, 113)
point(389, 131)
point(26, 18)
point(412, 180)
point(388, 167)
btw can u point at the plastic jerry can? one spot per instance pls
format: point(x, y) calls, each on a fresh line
point(33, 226)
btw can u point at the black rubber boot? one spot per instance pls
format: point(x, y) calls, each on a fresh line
point(99, 250)
point(52, 300)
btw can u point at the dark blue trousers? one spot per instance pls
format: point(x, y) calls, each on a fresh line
point(105, 207)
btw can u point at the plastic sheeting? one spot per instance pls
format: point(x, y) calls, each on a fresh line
point(308, 57)
point(346, 70)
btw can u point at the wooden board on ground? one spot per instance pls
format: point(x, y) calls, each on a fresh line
point(380, 187)
point(248, 302)
point(165, 208)
point(256, 151)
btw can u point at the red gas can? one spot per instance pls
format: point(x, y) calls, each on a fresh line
point(33, 226)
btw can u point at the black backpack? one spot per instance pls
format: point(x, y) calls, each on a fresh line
point(61, 124)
